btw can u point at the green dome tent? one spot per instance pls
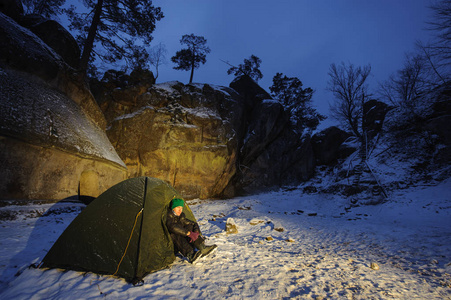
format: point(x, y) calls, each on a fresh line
point(121, 233)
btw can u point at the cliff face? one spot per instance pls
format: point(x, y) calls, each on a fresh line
point(60, 138)
point(207, 141)
point(183, 134)
point(52, 130)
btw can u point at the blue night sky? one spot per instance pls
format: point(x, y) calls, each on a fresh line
point(298, 38)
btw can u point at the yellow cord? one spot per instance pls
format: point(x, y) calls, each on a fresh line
point(128, 243)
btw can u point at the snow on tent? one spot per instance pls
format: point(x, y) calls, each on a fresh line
point(121, 233)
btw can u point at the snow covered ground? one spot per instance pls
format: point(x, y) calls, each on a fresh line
point(289, 245)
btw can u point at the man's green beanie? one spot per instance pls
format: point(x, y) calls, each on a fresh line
point(177, 202)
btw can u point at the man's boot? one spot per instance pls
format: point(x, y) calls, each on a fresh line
point(205, 250)
point(194, 256)
point(208, 250)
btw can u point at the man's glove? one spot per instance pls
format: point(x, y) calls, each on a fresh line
point(193, 236)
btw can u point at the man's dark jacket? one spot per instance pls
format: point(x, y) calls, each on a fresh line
point(180, 224)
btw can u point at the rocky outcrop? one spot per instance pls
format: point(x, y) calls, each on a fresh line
point(183, 134)
point(287, 160)
point(118, 92)
point(26, 52)
point(326, 145)
point(272, 153)
point(55, 36)
point(33, 112)
point(250, 91)
point(12, 8)
point(267, 121)
point(52, 134)
point(374, 115)
point(205, 140)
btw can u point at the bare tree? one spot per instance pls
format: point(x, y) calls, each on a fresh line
point(439, 73)
point(437, 52)
point(405, 88)
point(157, 57)
point(348, 85)
point(441, 26)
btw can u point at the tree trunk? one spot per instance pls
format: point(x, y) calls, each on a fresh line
point(89, 43)
point(192, 73)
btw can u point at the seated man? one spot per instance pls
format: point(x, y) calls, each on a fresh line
point(185, 233)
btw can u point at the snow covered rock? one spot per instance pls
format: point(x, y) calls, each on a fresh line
point(53, 141)
point(231, 227)
point(49, 144)
point(183, 134)
point(273, 152)
point(326, 144)
point(12, 8)
point(374, 266)
point(251, 92)
point(23, 50)
point(206, 140)
point(55, 36)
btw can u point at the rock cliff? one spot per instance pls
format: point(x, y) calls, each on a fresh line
point(60, 138)
point(53, 141)
point(183, 134)
point(207, 141)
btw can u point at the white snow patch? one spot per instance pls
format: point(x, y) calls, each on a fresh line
point(134, 114)
point(289, 245)
point(167, 86)
point(202, 112)
point(271, 101)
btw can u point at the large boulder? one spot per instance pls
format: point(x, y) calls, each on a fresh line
point(440, 126)
point(12, 8)
point(23, 50)
point(374, 115)
point(183, 134)
point(55, 36)
point(273, 153)
point(250, 91)
point(49, 145)
point(326, 144)
point(53, 143)
point(207, 141)
point(267, 121)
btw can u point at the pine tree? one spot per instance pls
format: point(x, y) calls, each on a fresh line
point(46, 8)
point(190, 58)
point(290, 92)
point(250, 67)
point(115, 26)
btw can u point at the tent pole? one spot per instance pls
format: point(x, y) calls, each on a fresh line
point(141, 228)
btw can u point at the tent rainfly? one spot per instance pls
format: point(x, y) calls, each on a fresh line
point(122, 232)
